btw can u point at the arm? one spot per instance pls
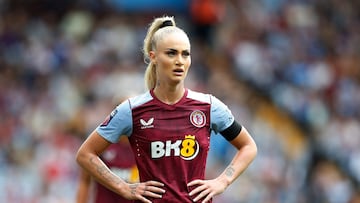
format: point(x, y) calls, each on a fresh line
point(88, 158)
point(83, 190)
point(246, 153)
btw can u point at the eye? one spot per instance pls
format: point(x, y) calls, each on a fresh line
point(171, 53)
point(186, 53)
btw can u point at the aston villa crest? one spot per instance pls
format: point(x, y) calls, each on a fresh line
point(198, 118)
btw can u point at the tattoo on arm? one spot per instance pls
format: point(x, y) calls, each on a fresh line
point(104, 172)
point(133, 188)
point(229, 172)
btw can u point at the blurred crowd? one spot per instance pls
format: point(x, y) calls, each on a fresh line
point(289, 70)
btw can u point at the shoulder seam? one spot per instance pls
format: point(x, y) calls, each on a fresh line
point(199, 96)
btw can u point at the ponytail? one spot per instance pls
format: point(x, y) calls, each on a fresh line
point(149, 45)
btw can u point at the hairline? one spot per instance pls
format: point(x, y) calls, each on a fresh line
point(159, 34)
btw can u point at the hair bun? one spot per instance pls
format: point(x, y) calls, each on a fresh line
point(166, 23)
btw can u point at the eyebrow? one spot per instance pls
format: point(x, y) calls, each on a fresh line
point(171, 49)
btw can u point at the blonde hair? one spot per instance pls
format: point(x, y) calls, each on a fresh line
point(149, 45)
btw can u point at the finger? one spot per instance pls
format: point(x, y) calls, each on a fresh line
point(140, 190)
point(195, 182)
point(154, 183)
point(143, 199)
point(202, 195)
point(197, 189)
point(151, 194)
point(155, 189)
point(208, 197)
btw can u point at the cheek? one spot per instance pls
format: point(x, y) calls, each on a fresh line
point(164, 66)
point(188, 64)
point(165, 63)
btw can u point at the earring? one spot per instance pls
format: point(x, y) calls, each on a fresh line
point(147, 60)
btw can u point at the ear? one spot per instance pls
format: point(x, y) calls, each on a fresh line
point(152, 57)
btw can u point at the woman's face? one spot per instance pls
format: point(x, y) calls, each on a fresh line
point(172, 58)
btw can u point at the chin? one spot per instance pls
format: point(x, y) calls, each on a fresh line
point(177, 81)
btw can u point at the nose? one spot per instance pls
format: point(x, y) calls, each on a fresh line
point(179, 60)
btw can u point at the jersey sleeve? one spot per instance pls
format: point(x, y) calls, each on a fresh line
point(118, 123)
point(220, 116)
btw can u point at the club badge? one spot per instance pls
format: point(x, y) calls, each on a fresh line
point(108, 118)
point(198, 118)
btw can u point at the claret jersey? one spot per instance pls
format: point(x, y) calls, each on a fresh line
point(170, 142)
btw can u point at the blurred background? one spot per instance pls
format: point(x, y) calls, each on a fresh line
point(288, 69)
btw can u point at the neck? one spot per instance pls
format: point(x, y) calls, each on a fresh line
point(169, 95)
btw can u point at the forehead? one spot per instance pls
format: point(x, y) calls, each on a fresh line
point(172, 38)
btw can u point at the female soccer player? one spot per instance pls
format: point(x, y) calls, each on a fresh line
point(169, 129)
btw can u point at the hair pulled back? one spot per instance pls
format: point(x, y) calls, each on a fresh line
point(149, 45)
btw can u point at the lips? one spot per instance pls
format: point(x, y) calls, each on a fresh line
point(178, 71)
